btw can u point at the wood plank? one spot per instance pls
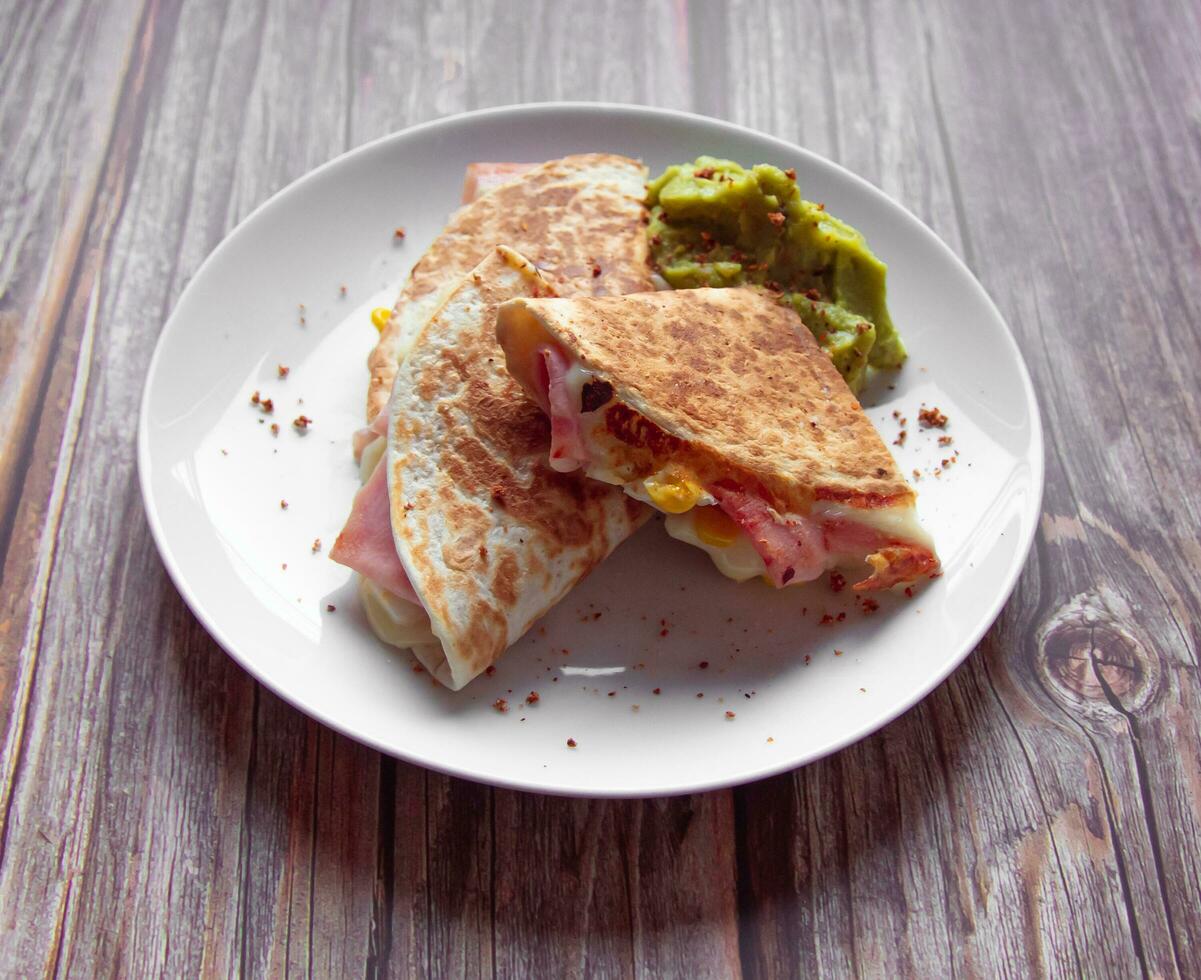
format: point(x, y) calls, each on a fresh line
point(1052, 804)
point(56, 147)
point(1040, 813)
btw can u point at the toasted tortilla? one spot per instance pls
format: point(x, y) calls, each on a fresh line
point(579, 219)
point(489, 535)
point(727, 380)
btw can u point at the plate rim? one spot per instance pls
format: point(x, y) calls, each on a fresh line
point(1036, 458)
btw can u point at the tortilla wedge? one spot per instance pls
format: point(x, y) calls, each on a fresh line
point(720, 398)
point(579, 219)
point(489, 535)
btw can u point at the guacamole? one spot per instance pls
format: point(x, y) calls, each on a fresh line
point(715, 223)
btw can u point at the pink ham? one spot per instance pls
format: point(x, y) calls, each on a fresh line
point(567, 450)
point(793, 550)
point(365, 543)
point(799, 549)
point(483, 177)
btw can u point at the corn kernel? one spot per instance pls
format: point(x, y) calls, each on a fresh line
point(380, 317)
point(673, 492)
point(715, 527)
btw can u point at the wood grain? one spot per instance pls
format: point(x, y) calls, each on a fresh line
point(1039, 814)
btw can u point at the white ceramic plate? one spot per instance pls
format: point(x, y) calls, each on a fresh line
point(213, 477)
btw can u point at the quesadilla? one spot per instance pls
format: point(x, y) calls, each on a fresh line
point(463, 533)
point(717, 407)
point(580, 219)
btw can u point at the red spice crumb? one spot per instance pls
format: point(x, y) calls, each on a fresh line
point(776, 218)
point(807, 658)
point(398, 233)
point(842, 616)
point(790, 173)
point(770, 739)
point(870, 606)
point(837, 653)
point(900, 439)
point(501, 705)
point(826, 620)
point(945, 440)
point(705, 173)
point(274, 429)
point(554, 679)
point(657, 690)
point(909, 591)
point(283, 370)
point(418, 669)
point(663, 632)
point(284, 566)
point(729, 714)
point(283, 505)
point(931, 418)
point(490, 670)
point(596, 270)
point(700, 694)
point(838, 581)
point(301, 423)
point(316, 545)
point(267, 405)
point(612, 694)
point(330, 607)
point(704, 665)
point(255, 398)
point(917, 474)
point(342, 289)
point(571, 743)
point(532, 698)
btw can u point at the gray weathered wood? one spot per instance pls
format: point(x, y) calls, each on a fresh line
point(1038, 814)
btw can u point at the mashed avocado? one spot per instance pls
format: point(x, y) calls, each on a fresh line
point(715, 223)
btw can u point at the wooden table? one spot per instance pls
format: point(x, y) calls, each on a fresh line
point(164, 814)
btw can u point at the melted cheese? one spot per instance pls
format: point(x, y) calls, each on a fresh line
point(895, 522)
point(395, 620)
point(738, 560)
point(373, 452)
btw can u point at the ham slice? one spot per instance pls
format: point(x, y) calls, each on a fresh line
point(567, 450)
point(483, 177)
point(793, 550)
point(365, 543)
point(798, 549)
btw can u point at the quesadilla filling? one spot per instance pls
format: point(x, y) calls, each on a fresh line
point(731, 519)
point(366, 545)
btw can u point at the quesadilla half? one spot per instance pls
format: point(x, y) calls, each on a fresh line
point(464, 534)
point(717, 407)
point(580, 219)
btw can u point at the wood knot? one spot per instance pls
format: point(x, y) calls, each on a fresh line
point(1095, 662)
point(1090, 657)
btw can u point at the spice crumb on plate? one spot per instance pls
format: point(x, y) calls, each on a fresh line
point(572, 743)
